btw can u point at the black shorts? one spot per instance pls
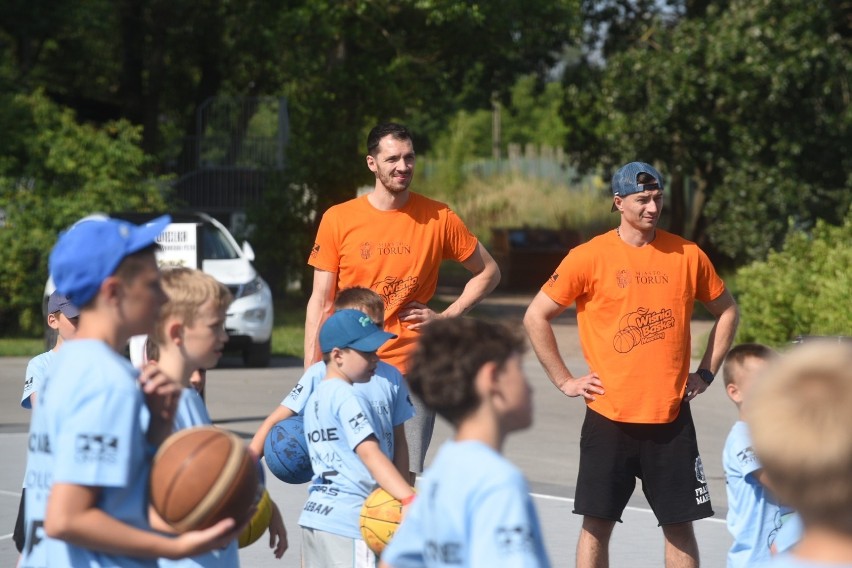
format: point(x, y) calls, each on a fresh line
point(664, 456)
point(18, 534)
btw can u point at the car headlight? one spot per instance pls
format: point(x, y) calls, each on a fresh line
point(249, 288)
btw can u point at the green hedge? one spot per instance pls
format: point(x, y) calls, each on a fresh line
point(805, 289)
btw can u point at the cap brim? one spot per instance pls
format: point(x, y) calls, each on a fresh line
point(70, 311)
point(372, 342)
point(147, 234)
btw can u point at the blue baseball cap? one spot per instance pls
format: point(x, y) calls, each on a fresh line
point(91, 250)
point(60, 303)
point(353, 329)
point(624, 181)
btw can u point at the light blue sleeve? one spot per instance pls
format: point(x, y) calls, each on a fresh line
point(297, 398)
point(402, 409)
point(406, 547)
point(35, 376)
point(94, 446)
point(506, 531)
point(743, 456)
point(191, 410)
point(354, 420)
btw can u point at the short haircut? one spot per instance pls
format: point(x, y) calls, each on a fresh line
point(187, 289)
point(738, 354)
point(448, 357)
point(800, 419)
point(396, 131)
point(362, 299)
point(132, 264)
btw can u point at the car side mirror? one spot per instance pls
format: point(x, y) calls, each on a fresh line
point(248, 251)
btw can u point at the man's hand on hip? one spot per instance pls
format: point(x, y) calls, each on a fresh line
point(586, 386)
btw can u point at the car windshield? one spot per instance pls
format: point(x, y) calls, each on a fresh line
point(215, 246)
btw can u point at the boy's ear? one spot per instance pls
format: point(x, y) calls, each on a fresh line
point(734, 393)
point(486, 379)
point(174, 331)
point(110, 288)
point(52, 321)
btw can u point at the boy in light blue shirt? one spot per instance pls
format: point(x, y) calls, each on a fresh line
point(386, 392)
point(98, 423)
point(347, 458)
point(190, 335)
point(473, 506)
point(62, 317)
point(801, 426)
point(753, 515)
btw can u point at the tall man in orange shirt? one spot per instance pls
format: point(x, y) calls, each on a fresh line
point(634, 290)
point(393, 240)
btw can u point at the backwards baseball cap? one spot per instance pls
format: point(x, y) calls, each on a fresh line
point(60, 303)
point(624, 181)
point(353, 329)
point(91, 250)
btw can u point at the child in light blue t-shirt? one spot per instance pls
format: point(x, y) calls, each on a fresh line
point(347, 457)
point(801, 427)
point(189, 337)
point(753, 515)
point(98, 422)
point(386, 392)
point(62, 317)
point(473, 506)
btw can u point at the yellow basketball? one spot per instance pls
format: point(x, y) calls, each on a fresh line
point(380, 517)
point(259, 522)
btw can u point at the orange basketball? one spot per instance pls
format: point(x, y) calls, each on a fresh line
point(380, 517)
point(200, 476)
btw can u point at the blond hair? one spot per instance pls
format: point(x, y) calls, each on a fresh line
point(187, 289)
point(800, 417)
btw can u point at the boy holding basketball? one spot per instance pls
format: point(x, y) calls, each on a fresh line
point(801, 428)
point(386, 391)
point(190, 335)
point(96, 426)
point(474, 507)
point(752, 512)
point(347, 458)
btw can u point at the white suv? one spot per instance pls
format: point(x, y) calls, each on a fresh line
point(216, 252)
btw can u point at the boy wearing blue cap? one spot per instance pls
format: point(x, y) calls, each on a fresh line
point(347, 458)
point(62, 316)
point(95, 430)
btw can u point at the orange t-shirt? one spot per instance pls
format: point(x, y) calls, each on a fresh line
point(634, 306)
point(395, 253)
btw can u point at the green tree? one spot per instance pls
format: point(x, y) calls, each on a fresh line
point(54, 171)
point(748, 101)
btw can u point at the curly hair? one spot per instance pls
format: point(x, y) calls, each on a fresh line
point(448, 357)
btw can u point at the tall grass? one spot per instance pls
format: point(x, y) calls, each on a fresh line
point(511, 201)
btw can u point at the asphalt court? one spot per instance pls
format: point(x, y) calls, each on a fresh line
point(239, 399)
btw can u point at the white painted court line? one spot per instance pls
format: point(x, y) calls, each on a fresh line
point(628, 508)
point(10, 493)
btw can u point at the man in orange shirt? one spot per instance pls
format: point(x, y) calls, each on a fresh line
point(634, 290)
point(393, 241)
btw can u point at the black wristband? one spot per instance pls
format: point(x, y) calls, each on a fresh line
point(706, 375)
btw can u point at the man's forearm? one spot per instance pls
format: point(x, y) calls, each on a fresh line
point(720, 339)
point(479, 286)
point(543, 342)
point(315, 314)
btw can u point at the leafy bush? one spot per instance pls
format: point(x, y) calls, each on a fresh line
point(802, 290)
point(55, 170)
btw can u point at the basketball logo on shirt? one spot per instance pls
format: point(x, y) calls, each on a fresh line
point(366, 250)
point(297, 390)
point(96, 448)
point(746, 456)
point(514, 539)
point(357, 422)
point(553, 278)
point(315, 250)
point(395, 291)
point(641, 327)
